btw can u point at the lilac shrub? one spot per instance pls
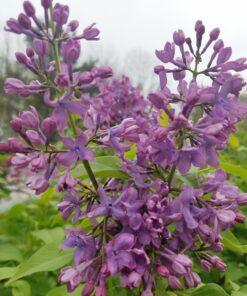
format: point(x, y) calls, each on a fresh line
point(148, 224)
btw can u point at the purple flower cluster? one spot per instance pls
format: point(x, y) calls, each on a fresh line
point(149, 224)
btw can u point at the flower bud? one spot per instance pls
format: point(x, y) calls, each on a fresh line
point(217, 247)
point(73, 25)
point(46, 3)
point(29, 8)
point(88, 288)
point(34, 137)
point(91, 33)
point(38, 163)
point(206, 265)
point(20, 161)
point(189, 281)
point(15, 145)
point(158, 69)
point(21, 58)
point(4, 147)
point(102, 72)
point(16, 125)
point(39, 184)
point(214, 34)
point(178, 37)
point(30, 52)
point(70, 51)
point(198, 24)
point(30, 118)
point(184, 260)
point(224, 55)
point(101, 290)
point(218, 45)
point(188, 41)
point(242, 199)
point(41, 47)
point(174, 282)
point(162, 270)
point(218, 263)
point(85, 78)
point(24, 21)
point(13, 26)
point(200, 30)
point(199, 34)
point(61, 14)
point(240, 218)
point(158, 99)
point(196, 279)
point(49, 127)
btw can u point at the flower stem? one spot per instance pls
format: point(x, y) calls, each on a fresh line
point(54, 43)
point(90, 174)
point(170, 178)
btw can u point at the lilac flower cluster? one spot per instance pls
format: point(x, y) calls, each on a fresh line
point(149, 224)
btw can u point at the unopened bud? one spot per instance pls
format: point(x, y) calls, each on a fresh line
point(21, 58)
point(29, 8)
point(16, 125)
point(162, 270)
point(214, 34)
point(24, 21)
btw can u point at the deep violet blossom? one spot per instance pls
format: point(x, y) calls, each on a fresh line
point(146, 225)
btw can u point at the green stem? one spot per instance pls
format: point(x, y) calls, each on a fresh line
point(72, 124)
point(56, 55)
point(54, 42)
point(174, 167)
point(172, 173)
point(197, 61)
point(90, 174)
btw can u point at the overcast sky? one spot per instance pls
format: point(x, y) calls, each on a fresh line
point(137, 27)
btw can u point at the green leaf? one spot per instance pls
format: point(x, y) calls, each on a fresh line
point(21, 288)
point(62, 291)
point(209, 289)
point(230, 286)
point(241, 292)
point(131, 154)
point(10, 252)
point(47, 195)
point(163, 119)
point(233, 169)
point(232, 243)
point(7, 272)
point(50, 235)
point(233, 141)
point(238, 293)
point(103, 167)
point(48, 258)
point(114, 288)
point(161, 285)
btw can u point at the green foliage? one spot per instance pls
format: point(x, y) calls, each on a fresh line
point(210, 289)
point(103, 167)
point(48, 258)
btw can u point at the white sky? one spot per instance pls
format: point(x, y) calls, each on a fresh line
point(137, 27)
